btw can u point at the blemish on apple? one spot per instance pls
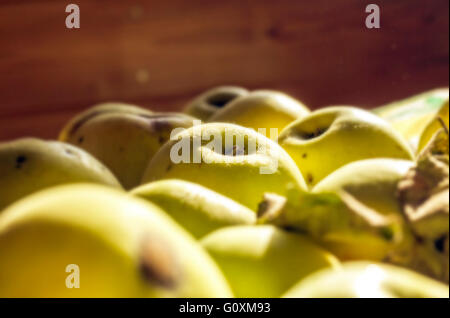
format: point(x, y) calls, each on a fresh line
point(20, 160)
point(158, 265)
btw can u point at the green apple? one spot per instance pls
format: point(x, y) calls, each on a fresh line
point(410, 116)
point(368, 280)
point(98, 109)
point(91, 241)
point(332, 137)
point(373, 182)
point(196, 208)
point(354, 212)
point(124, 141)
point(28, 165)
point(232, 160)
point(207, 103)
point(264, 261)
point(262, 110)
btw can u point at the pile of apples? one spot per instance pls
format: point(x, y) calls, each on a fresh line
point(214, 202)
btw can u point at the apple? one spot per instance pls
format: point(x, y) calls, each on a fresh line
point(332, 137)
point(207, 103)
point(266, 111)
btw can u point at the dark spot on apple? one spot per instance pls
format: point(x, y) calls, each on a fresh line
point(80, 140)
point(290, 228)
point(387, 233)
point(161, 140)
point(310, 135)
point(20, 160)
point(160, 124)
point(169, 167)
point(304, 155)
point(81, 122)
point(220, 99)
point(157, 264)
point(439, 244)
point(263, 206)
point(121, 149)
point(420, 240)
point(309, 178)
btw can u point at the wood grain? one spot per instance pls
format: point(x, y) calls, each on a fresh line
point(161, 53)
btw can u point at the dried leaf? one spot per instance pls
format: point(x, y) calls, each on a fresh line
point(424, 198)
point(423, 195)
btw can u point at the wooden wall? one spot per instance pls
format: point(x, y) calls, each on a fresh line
point(161, 53)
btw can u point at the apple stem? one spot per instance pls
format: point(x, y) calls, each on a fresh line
point(270, 207)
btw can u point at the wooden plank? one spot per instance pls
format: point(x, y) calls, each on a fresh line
point(161, 53)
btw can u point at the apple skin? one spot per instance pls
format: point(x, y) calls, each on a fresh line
point(265, 109)
point(243, 176)
point(263, 260)
point(98, 109)
point(357, 214)
point(207, 103)
point(372, 182)
point(124, 141)
point(332, 137)
point(28, 165)
point(197, 209)
point(368, 280)
point(410, 116)
point(122, 245)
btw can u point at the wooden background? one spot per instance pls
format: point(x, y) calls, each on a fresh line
point(161, 53)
